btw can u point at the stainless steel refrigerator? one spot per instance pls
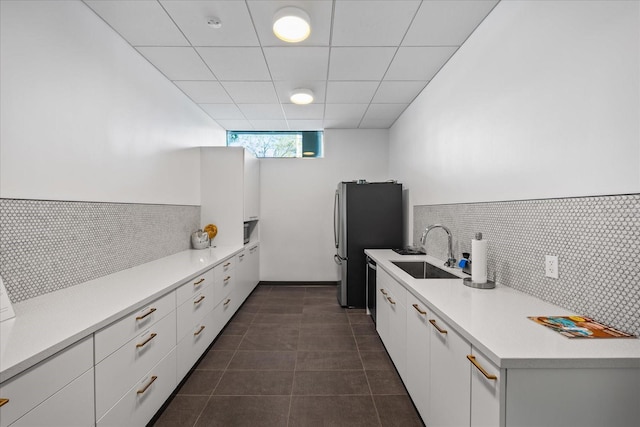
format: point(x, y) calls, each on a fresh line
point(366, 215)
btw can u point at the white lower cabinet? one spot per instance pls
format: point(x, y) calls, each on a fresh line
point(486, 390)
point(147, 395)
point(392, 298)
point(418, 379)
point(31, 395)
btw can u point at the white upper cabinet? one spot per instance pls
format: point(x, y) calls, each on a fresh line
point(230, 191)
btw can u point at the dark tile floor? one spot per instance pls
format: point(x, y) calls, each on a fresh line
point(291, 356)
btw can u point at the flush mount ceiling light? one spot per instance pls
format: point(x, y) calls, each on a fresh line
point(301, 96)
point(291, 24)
point(214, 22)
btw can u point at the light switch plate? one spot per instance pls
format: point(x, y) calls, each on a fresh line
point(551, 266)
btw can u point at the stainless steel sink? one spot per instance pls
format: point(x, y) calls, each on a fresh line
point(423, 270)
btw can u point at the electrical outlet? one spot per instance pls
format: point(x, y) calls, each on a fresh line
point(551, 266)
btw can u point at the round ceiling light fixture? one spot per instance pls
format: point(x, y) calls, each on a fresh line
point(301, 96)
point(291, 24)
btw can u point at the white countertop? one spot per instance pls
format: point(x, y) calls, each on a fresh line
point(47, 324)
point(495, 322)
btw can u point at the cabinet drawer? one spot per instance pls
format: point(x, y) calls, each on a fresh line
point(485, 391)
point(220, 271)
point(399, 292)
point(71, 406)
point(194, 286)
point(34, 386)
point(144, 399)
point(222, 287)
point(111, 338)
point(225, 310)
point(194, 343)
point(193, 310)
point(114, 375)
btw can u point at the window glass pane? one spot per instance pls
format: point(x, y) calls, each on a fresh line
point(278, 144)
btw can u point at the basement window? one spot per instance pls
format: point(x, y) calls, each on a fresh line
point(278, 143)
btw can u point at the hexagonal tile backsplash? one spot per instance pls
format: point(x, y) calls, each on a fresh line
point(596, 239)
point(50, 245)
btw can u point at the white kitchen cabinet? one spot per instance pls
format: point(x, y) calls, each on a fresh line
point(28, 393)
point(224, 277)
point(393, 320)
point(145, 397)
point(194, 343)
point(449, 386)
point(418, 376)
point(230, 191)
point(486, 385)
point(247, 271)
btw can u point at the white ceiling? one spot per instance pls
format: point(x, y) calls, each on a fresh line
point(366, 60)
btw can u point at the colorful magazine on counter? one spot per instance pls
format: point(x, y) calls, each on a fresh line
point(579, 327)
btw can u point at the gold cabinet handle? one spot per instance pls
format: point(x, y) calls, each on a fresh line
point(487, 375)
point(198, 282)
point(383, 292)
point(3, 402)
point(199, 300)
point(226, 279)
point(226, 302)
point(142, 390)
point(196, 333)
point(418, 309)
point(151, 310)
point(143, 343)
point(391, 301)
point(435, 325)
point(227, 265)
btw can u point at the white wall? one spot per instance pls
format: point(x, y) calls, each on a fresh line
point(296, 203)
point(85, 117)
point(543, 100)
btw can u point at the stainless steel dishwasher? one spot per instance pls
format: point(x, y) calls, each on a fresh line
point(371, 288)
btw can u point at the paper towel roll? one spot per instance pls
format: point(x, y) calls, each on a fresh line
point(479, 259)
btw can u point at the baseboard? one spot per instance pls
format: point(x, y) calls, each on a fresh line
point(276, 283)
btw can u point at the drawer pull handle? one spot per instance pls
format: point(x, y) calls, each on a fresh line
point(3, 402)
point(383, 292)
point(226, 302)
point(391, 301)
point(151, 310)
point(199, 300)
point(418, 309)
point(142, 390)
point(198, 282)
point(435, 325)
point(487, 375)
point(196, 333)
point(143, 343)
point(226, 279)
point(241, 256)
point(227, 265)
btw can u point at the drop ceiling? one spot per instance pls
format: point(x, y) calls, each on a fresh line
point(365, 61)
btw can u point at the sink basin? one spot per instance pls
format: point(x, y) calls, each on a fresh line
point(423, 270)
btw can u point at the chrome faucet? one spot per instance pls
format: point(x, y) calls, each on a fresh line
point(451, 261)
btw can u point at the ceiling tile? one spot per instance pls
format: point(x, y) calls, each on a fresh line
point(141, 23)
point(268, 125)
point(383, 112)
point(235, 124)
point(418, 63)
point(222, 111)
point(345, 111)
point(446, 23)
point(285, 88)
point(236, 63)
point(192, 16)
point(297, 63)
point(350, 92)
point(343, 123)
point(303, 112)
point(403, 92)
point(376, 123)
point(319, 11)
point(262, 111)
point(251, 92)
point(372, 23)
point(177, 63)
point(359, 63)
point(305, 124)
point(204, 92)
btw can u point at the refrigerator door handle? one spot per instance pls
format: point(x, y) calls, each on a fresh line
point(336, 228)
